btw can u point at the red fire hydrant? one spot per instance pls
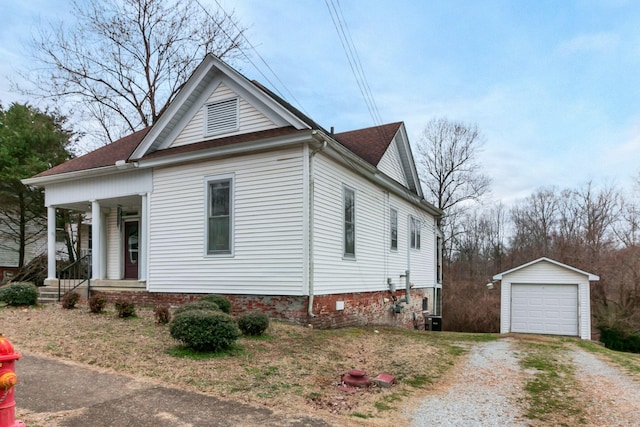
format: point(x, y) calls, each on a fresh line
point(8, 380)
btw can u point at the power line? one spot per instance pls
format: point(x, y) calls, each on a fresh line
point(241, 33)
point(342, 28)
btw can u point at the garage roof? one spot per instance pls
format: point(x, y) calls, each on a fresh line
point(592, 277)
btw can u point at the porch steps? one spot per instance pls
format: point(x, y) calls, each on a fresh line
point(49, 294)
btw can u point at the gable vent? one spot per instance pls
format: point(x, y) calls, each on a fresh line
point(221, 117)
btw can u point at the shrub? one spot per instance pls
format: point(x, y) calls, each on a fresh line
point(70, 299)
point(221, 301)
point(616, 339)
point(197, 305)
point(19, 293)
point(125, 308)
point(162, 314)
point(205, 330)
point(253, 323)
point(97, 303)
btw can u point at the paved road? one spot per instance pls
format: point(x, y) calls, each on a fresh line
point(52, 393)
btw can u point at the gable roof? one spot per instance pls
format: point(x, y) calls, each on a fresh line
point(592, 277)
point(193, 95)
point(370, 143)
point(149, 145)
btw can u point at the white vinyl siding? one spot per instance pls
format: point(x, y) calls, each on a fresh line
point(268, 221)
point(374, 262)
point(249, 118)
point(390, 163)
point(121, 184)
point(544, 273)
point(114, 247)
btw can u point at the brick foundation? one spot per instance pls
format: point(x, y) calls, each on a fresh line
point(366, 308)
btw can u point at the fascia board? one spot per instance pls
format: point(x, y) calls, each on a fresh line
point(193, 82)
point(71, 176)
point(235, 149)
point(592, 277)
point(349, 159)
point(409, 160)
point(250, 90)
point(239, 84)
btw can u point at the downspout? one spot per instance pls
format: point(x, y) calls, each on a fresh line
point(310, 195)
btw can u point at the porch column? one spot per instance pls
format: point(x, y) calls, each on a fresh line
point(51, 242)
point(143, 230)
point(96, 240)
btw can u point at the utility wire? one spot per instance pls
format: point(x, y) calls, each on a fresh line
point(359, 67)
point(241, 32)
point(342, 28)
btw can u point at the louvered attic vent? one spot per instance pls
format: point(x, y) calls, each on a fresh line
point(221, 117)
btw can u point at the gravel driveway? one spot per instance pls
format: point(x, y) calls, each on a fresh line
point(487, 390)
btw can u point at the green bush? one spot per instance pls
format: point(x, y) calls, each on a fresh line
point(97, 303)
point(221, 301)
point(70, 299)
point(19, 293)
point(253, 323)
point(162, 314)
point(205, 330)
point(125, 308)
point(197, 305)
point(618, 340)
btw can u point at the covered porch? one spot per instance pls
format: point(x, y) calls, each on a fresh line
point(118, 241)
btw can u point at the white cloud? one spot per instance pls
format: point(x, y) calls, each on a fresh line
point(598, 42)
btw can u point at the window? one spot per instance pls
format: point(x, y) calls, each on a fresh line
point(437, 302)
point(221, 117)
point(414, 231)
point(349, 222)
point(219, 216)
point(393, 227)
point(438, 257)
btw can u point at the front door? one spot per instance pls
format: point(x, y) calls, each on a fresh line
point(131, 240)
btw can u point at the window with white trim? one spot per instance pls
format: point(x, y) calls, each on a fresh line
point(222, 116)
point(414, 232)
point(438, 256)
point(349, 209)
point(219, 215)
point(393, 228)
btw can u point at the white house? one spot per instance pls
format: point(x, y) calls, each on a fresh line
point(234, 191)
point(546, 297)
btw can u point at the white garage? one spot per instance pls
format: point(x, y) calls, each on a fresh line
point(546, 297)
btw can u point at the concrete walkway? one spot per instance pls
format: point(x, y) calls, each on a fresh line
point(63, 394)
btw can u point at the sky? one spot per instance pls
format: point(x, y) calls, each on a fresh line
point(553, 86)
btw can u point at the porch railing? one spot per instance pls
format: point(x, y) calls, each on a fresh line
point(75, 275)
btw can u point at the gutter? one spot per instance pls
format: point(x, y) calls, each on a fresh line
point(310, 204)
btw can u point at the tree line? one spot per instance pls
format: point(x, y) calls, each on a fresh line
point(593, 227)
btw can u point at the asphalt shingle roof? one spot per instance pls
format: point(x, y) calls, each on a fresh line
point(371, 143)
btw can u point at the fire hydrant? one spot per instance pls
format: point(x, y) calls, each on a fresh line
point(8, 380)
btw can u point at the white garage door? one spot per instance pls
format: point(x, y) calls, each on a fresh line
point(544, 309)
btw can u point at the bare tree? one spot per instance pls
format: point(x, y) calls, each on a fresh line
point(535, 221)
point(124, 61)
point(450, 172)
point(448, 162)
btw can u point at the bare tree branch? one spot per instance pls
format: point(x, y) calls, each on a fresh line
point(124, 61)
